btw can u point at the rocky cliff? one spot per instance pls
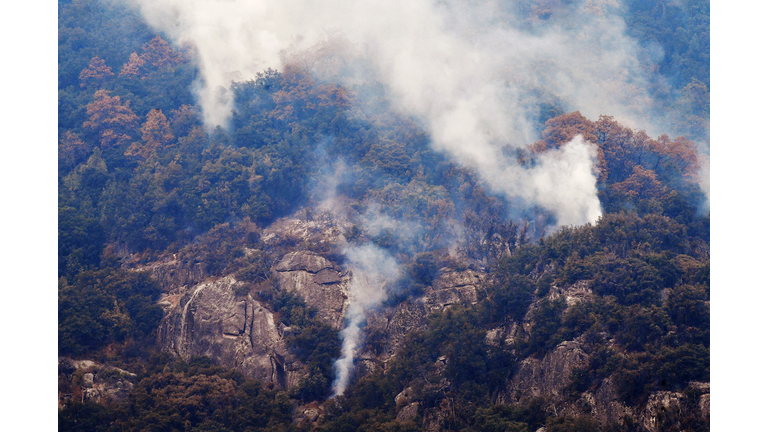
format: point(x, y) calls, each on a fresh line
point(221, 318)
point(214, 319)
point(171, 273)
point(546, 377)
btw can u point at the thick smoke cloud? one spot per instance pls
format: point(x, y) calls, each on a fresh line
point(562, 181)
point(472, 71)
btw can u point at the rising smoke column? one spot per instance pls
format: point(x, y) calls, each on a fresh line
point(467, 69)
point(372, 268)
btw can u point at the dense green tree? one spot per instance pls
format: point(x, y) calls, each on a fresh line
point(106, 306)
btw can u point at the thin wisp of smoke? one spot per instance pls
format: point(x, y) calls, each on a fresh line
point(372, 268)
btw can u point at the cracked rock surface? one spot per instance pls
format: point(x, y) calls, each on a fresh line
point(318, 282)
point(209, 319)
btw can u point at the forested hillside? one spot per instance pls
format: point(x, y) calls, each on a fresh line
point(480, 311)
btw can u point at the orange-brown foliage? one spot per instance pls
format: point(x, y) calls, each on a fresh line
point(620, 149)
point(562, 129)
point(114, 121)
point(96, 73)
point(157, 54)
point(684, 155)
point(155, 134)
point(302, 94)
point(133, 67)
point(642, 182)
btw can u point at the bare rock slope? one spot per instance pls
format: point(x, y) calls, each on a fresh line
point(220, 319)
point(211, 319)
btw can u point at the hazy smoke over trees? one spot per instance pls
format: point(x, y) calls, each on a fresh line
point(474, 72)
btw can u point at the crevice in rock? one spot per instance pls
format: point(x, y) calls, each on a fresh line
point(252, 318)
point(245, 317)
point(278, 369)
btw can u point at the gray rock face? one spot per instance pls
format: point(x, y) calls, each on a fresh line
point(506, 335)
point(311, 414)
point(605, 404)
point(88, 380)
point(548, 376)
point(572, 294)
point(407, 316)
point(663, 411)
point(306, 231)
point(304, 261)
point(453, 287)
point(209, 318)
point(403, 398)
point(703, 404)
point(239, 332)
point(317, 282)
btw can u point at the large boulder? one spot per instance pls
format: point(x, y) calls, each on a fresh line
point(662, 411)
point(572, 294)
point(453, 287)
point(306, 231)
point(605, 405)
point(674, 410)
point(409, 413)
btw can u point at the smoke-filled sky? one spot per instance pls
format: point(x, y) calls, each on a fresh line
point(470, 70)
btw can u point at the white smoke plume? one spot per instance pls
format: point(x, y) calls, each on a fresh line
point(562, 182)
point(372, 268)
point(467, 69)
